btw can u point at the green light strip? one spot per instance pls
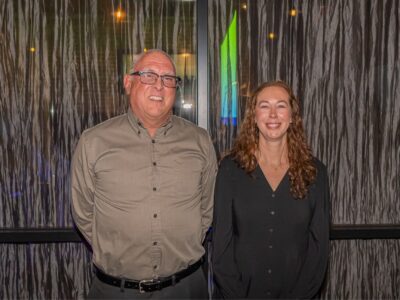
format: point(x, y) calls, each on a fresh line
point(228, 73)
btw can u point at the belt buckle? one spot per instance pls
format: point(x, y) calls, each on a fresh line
point(144, 281)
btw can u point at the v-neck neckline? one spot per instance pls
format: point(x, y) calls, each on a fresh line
point(268, 183)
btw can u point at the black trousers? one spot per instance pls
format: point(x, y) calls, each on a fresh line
point(193, 286)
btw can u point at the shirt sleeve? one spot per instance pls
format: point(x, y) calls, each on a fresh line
point(82, 190)
point(227, 277)
point(208, 185)
point(313, 270)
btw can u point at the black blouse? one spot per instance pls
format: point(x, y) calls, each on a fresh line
point(266, 244)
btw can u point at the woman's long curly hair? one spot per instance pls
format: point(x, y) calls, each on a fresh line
point(302, 171)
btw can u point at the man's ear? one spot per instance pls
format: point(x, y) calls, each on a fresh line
point(127, 84)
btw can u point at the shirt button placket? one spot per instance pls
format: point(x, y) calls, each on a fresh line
point(272, 213)
point(153, 159)
point(156, 252)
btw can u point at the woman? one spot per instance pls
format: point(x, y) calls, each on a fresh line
point(271, 215)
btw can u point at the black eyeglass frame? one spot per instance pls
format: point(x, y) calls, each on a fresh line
point(178, 80)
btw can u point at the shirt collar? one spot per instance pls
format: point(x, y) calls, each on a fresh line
point(138, 126)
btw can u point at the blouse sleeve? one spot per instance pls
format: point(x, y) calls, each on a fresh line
point(313, 270)
point(227, 277)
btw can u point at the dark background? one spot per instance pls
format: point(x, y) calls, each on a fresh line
point(340, 56)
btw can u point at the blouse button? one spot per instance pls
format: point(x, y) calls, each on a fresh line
point(273, 195)
point(272, 212)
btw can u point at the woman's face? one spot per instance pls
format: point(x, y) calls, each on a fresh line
point(273, 113)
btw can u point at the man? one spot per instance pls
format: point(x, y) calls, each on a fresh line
point(142, 192)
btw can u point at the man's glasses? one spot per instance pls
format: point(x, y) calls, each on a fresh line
point(151, 78)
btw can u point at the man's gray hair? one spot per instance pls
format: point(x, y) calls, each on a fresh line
point(144, 54)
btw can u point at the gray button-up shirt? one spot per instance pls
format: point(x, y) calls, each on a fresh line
point(144, 204)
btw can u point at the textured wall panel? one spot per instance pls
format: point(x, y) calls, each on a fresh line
point(44, 271)
point(61, 63)
point(342, 58)
point(363, 269)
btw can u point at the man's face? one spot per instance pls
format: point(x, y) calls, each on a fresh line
point(152, 104)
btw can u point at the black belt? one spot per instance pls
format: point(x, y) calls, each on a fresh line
point(147, 285)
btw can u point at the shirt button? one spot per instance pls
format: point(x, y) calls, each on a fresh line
point(268, 293)
point(270, 246)
point(154, 243)
point(155, 267)
point(154, 163)
point(273, 195)
point(153, 141)
point(272, 212)
point(271, 230)
point(154, 189)
point(155, 216)
point(269, 271)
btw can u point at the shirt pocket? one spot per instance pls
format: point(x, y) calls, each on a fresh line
point(124, 185)
point(187, 179)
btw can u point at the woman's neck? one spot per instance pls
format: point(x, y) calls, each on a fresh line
point(273, 154)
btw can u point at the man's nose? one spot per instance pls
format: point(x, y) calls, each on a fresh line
point(159, 84)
